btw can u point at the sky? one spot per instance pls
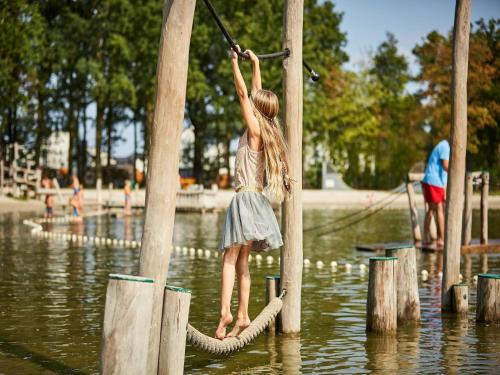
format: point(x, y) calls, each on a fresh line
point(366, 23)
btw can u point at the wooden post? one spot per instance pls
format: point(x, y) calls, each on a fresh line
point(1, 176)
point(458, 143)
point(273, 289)
point(58, 192)
point(461, 299)
point(163, 163)
point(467, 219)
point(110, 193)
point(291, 253)
point(484, 207)
point(127, 317)
point(408, 300)
point(488, 298)
point(381, 304)
point(98, 187)
point(417, 236)
point(485, 183)
point(173, 330)
point(432, 226)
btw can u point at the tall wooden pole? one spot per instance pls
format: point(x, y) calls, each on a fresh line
point(163, 163)
point(458, 142)
point(291, 254)
point(467, 218)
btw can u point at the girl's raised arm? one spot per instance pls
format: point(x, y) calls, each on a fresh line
point(256, 80)
point(242, 92)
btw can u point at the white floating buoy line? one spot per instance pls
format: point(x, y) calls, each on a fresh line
point(37, 230)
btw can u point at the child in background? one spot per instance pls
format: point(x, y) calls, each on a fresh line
point(49, 198)
point(76, 200)
point(127, 191)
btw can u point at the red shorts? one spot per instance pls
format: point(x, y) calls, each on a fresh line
point(433, 194)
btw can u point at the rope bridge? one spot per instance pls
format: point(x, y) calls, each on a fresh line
point(232, 344)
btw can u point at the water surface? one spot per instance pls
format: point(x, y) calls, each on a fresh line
point(52, 297)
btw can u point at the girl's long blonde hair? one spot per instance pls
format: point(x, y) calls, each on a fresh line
point(266, 108)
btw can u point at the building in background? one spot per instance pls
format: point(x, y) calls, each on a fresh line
point(55, 150)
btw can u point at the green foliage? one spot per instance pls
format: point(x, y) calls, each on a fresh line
point(58, 58)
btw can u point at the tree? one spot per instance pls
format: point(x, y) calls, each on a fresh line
point(434, 57)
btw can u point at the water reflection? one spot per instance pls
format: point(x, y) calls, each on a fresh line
point(52, 293)
point(290, 354)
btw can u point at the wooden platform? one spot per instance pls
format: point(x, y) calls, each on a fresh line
point(475, 247)
point(384, 246)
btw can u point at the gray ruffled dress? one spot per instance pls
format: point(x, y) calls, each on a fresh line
point(250, 216)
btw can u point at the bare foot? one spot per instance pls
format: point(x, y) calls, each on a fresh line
point(225, 320)
point(240, 326)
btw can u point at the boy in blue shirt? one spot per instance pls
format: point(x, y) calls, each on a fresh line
point(434, 188)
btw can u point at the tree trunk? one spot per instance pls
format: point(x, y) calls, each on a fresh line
point(98, 139)
point(458, 142)
point(109, 142)
point(134, 172)
point(40, 122)
point(163, 164)
point(198, 152)
point(291, 253)
point(72, 136)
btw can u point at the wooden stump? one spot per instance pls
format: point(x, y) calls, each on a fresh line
point(461, 299)
point(408, 300)
point(173, 330)
point(127, 316)
point(417, 236)
point(273, 289)
point(381, 307)
point(488, 298)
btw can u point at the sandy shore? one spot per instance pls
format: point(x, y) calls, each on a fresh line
point(312, 199)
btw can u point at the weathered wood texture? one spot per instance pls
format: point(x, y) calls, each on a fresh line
point(292, 253)
point(415, 226)
point(381, 306)
point(458, 143)
point(461, 299)
point(110, 193)
point(98, 187)
point(488, 298)
point(408, 300)
point(493, 246)
point(163, 157)
point(273, 289)
point(127, 316)
point(485, 187)
point(432, 226)
point(415, 177)
point(467, 218)
point(173, 331)
point(485, 183)
point(2, 172)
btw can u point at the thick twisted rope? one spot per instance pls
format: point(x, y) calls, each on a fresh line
point(232, 344)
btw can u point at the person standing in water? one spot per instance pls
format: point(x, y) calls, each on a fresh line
point(127, 191)
point(49, 197)
point(76, 200)
point(250, 223)
point(434, 188)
